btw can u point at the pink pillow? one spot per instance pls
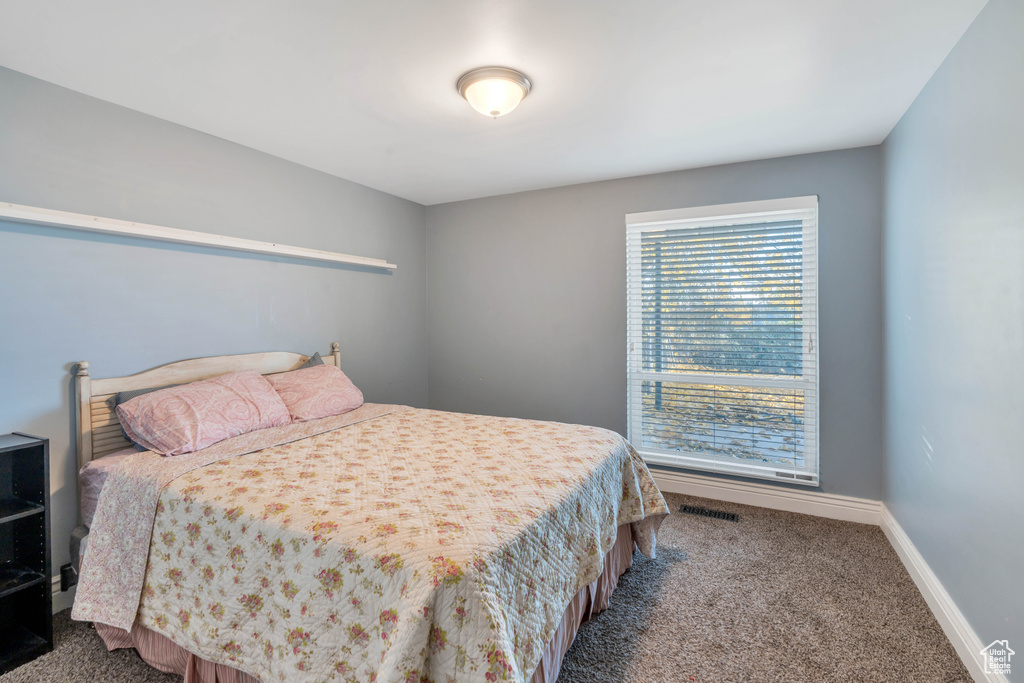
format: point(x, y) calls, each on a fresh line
point(316, 392)
point(191, 417)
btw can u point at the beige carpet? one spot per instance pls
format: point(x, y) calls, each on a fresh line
point(775, 597)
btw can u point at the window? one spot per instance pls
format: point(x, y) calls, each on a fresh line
point(722, 361)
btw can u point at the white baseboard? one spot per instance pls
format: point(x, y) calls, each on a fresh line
point(846, 508)
point(965, 641)
point(963, 638)
point(61, 601)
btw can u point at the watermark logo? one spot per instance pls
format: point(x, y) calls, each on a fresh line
point(997, 657)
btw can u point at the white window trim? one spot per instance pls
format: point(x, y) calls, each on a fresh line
point(638, 224)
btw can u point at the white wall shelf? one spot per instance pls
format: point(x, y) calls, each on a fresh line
point(112, 226)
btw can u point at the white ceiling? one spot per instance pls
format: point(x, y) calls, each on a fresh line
point(366, 90)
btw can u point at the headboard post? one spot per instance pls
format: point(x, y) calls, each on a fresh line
point(83, 394)
point(336, 352)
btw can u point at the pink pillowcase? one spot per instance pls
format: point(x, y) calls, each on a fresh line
point(191, 417)
point(319, 391)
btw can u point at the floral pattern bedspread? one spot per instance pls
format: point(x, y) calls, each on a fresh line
point(415, 546)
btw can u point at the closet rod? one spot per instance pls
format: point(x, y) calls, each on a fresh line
point(113, 226)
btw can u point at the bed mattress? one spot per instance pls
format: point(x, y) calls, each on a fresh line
point(402, 543)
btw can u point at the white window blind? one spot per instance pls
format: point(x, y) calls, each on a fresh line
point(722, 361)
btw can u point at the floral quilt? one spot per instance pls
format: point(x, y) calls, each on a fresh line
point(413, 546)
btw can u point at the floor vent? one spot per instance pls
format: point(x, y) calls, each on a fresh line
point(714, 514)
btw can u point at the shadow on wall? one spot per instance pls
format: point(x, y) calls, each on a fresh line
point(604, 647)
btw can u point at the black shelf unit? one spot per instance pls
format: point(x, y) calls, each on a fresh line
point(26, 609)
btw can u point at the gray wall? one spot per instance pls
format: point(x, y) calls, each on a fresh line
point(527, 297)
point(954, 283)
point(126, 305)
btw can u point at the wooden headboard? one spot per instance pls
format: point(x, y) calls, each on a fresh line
point(99, 432)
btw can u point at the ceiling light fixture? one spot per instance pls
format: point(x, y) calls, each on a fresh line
point(494, 90)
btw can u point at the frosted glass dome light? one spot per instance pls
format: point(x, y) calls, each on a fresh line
point(494, 91)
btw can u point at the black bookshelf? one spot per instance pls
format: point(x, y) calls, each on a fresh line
point(26, 610)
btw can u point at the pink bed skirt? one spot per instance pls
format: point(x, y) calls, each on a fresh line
point(162, 653)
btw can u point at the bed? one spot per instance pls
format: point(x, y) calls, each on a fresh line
point(387, 543)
